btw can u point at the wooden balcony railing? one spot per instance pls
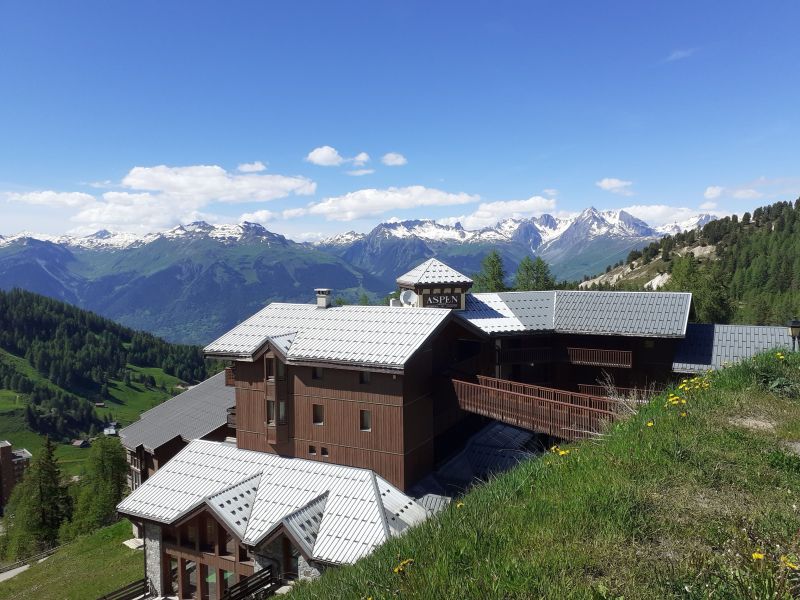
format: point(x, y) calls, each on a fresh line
point(229, 377)
point(525, 355)
point(600, 358)
point(552, 417)
point(537, 391)
point(603, 390)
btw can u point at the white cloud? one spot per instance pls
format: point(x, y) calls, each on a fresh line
point(52, 198)
point(360, 172)
point(661, 214)
point(293, 213)
point(394, 159)
point(679, 54)
point(253, 167)
point(360, 159)
point(615, 186)
point(710, 205)
point(259, 216)
point(200, 184)
point(325, 156)
point(371, 202)
point(747, 194)
point(551, 192)
point(713, 192)
point(489, 213)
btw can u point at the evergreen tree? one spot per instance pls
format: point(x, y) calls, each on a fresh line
point(533, 275)
point(37, 507)
point(363, 299)
point(492, 275)
point(101, 489)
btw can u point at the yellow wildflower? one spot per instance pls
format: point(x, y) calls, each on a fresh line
point(650, 423)
point(554, 449)
point(683, 414)
point(563, 452)
point(758, 556)
point(459, 504)
point(789, 564)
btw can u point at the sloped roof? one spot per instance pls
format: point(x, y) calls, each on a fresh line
point(190, 415)
point(304, 523)
point(380, 336)
point(712, 346)
point(234, 504)
point(433, 271)
point(353, 516)
point(649, 314)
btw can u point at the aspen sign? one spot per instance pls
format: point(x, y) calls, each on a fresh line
point(442, 300)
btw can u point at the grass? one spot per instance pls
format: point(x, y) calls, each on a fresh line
point(674, 509)
point(89, 567)
point(128, 402)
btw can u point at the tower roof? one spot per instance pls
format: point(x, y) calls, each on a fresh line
point(433, 271)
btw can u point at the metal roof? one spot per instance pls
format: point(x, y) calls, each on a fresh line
point(433, 271)
point(379, 336)
point(304, 523)
point(651, 314)
point(193, 414)
point(648, 314)
point(712, 346)
point(353, 517)
point(234, 504)
point(510, 311)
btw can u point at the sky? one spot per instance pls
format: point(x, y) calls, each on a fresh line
point(314, 118)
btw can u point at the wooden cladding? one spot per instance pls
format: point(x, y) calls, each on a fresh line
point(525, 355)
point(229, 377)
point(382, 388)
point(546, 393)
point(600, 358)
point(552, 417)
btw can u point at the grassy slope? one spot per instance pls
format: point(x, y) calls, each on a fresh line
point(91, 566)
point(127, 404)
point(655, 511)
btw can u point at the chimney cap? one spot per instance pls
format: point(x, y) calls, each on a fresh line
point(323, 291)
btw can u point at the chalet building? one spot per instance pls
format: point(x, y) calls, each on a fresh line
point(340, 413)
point(200, 412)
point(12, 467)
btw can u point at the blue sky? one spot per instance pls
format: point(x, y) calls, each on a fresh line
point(137, 115)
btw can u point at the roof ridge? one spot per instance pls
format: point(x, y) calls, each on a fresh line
point(381, 507)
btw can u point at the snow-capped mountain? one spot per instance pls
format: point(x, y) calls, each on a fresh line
point(695, 222)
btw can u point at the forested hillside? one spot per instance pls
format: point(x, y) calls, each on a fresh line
point(740, 270)
point(62, 360)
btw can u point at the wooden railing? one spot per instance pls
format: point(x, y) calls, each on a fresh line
point(132, 591)
point(603, 390)
point(537, 391)
point(600, 358)
point(229, 377)
point(262, 582)
point(525, 355)
point(552, 417)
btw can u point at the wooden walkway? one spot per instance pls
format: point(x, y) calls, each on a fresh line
point(559, 413)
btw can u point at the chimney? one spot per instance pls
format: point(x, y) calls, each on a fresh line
point(323, 297)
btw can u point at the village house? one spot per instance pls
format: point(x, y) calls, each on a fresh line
point(339, 411)
point(12, 467)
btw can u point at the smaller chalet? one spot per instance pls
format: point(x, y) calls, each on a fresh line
point(216, 514)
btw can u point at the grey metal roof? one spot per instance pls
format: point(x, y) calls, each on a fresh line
point(304, 523)
point(234, 504)
point(510, 311)
point(651, 314)
point(433, 271)
point(354, 515)
point(379, 336)
point(193, 414)
point(712, 346)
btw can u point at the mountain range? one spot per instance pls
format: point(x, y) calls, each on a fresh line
point(194, 281)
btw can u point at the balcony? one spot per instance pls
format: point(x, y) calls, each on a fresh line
point(600, 358)
point(525, 355)
point(229, 377)
point(232, 417)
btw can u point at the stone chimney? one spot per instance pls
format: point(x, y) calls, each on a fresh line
point(323, 297)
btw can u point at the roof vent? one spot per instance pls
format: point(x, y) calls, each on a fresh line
point(323, 297)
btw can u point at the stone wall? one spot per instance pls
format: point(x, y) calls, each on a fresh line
point(269, 555)
point(308, 569)
point(153, 549)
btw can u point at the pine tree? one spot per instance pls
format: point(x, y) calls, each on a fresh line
point(37, 507)
point(363, 299)
point(533, 275)
point(492, 275)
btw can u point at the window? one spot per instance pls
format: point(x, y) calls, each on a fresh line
point(281, 412)
point(324, 451)
point(269, 367)
point(363, 377)
point(318, 414)
point(365, 420)
point(270, 412)
point(316, 372)
point(312, 450)
point(281, 370)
